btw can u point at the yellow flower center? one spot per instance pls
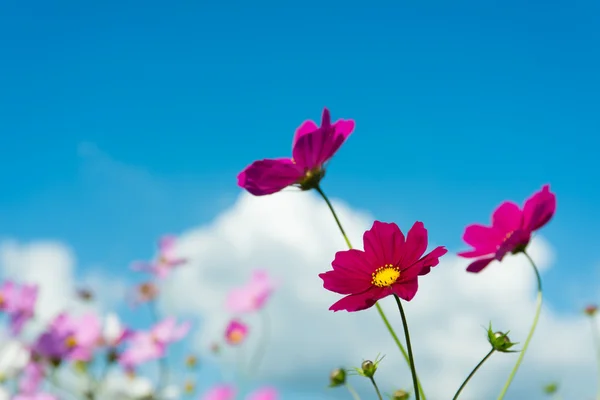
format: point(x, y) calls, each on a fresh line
point(236, 336)
point(71, 342)
point(1, 300)
point(189, 387)
point(385, 276)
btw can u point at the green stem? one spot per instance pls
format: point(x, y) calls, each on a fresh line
point(411, 358)
point(377, 305)
point(163, 368)
point(376, 388)
point(257, 357)
point(596, 339)
point(355, 395)
point(530, 335)
point(473, 373)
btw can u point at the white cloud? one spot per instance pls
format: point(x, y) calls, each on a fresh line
point(51, 265)
point(294, 237)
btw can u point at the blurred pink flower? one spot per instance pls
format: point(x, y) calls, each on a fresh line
point(113, 331)
point(166, 260)
point(145, 346)
point(31, 378)
point(19, 303)
point(69, 337)
point(253, 295)
point(236, 332)
point(34, 396)
point(265, 393)
point(312, 148)
point(219, 392)
point(510, 231)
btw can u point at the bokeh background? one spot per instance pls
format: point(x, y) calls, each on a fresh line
point(121, 121)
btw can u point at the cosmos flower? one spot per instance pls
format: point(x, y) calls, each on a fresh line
point(389, 264)
point(166, 260)
point(252, 296)
point(236, 332)
point(70, 338)
point(149, 345)
point(18, 301)
point(265, 393)
point(510, 231)
point(312, 148)
point(220, 392)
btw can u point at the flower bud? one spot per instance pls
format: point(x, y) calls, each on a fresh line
point(551, 388)
point(500, 341)
point(189, 387)
point(368, 368)
point(191, 361)
point(337, 377)
point(591, 310)
point(400, 395)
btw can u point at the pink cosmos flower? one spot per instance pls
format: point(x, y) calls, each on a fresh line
point(34, 396)
point(252, 296)
point(389, 264)
point(510, 231)
point(236, 332)
point(146, 346)
point(312, 147)
point(166, 261)
point(220, 392)
point(70, 338)
point(19, 303)
point(31, 378)
point(143, 293)
point(266, 393)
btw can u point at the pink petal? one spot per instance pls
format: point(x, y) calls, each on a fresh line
point(220, 392)
point(361, 301)
point(266, 393)
point(384, 244)
point(416, 244)
point(539, 209)
point(269, 176)
point(313, 149)
point(354, 265)
point(519, 238)
point(424, 265)
point(342, 283)
point(478, 265)
point(483, 237)
point(304, 129)
point(406, 290)
point(508, 217)
point(475, 253)
point(166, 243)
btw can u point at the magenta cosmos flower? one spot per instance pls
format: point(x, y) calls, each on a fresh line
point(389, 264)
point(166, 260)
point(19, 303)
point(312, 147)
point(510, 231)
point(236, 332)
point(253, 295)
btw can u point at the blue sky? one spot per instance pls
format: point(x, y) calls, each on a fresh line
point(458, 106)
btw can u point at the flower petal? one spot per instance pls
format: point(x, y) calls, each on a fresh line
point(406, 290)
point(361, 301)
point(416, 244)
point(483, 237)
point(508, 217)
point(312, 149)
point(519, 239)
point(478, 265)
point(431, 260)
point(539, 209)
point(304, 129)
point(383, 244)
point(269, 176)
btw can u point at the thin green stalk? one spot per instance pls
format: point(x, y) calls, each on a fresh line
point(258, 355)
point(413, 370)
point(355, 395)
point(376, 388)
point(163, 368)
point(530, 335)
point(377, 305)
point(596, 339)
point(473, 373)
